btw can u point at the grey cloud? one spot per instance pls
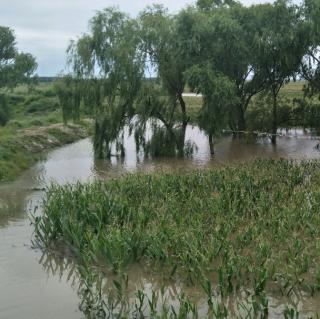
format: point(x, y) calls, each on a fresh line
point(45, 27)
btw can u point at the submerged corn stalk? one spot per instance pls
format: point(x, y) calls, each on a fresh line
point(241, 229)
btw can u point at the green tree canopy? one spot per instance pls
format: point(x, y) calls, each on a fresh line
point(15, 68)
point(213, 4)
point(161, 46)
point(223, 37)
point(218, 98)
point(311, 62)
point(133, 71)
point(110, 65)
point(280, 44)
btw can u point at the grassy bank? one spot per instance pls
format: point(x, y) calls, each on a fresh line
point(35, 126)
point(21, 148)
point(252, 227)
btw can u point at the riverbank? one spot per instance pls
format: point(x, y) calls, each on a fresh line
point(21, 148)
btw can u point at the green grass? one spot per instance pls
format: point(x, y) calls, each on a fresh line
point(35, 126)
point(252, 227)
point(293, 89)
point(194, 104)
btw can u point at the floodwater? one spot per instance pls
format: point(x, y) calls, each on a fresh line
point(40, 287)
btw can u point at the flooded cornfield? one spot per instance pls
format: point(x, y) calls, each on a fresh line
point(38, 284)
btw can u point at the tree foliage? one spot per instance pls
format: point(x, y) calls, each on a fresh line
point(218, 98)
point(223, 37)
point(109, 65)
point(161, 46)
point(15, 68)
point(310, 67)
point(69, 92)
point(4, 110)
point(213, 4)
point(280, 45)
point(132, 73)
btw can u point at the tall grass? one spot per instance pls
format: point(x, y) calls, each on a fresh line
point(252, 227)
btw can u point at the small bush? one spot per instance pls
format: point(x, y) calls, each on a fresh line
point(42, 105)
point(30, 99)
point(36, 123)
point(15, 124)
point(49, 93)
point(4, 110)
point(15, 99)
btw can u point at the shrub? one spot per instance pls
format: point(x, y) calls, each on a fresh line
point(4, 110)
point(42, 105)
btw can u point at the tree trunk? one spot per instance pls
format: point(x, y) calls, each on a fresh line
point(182, 133)
point(211, 144)
point(98, 140)
point(240, 122)
point(274, 120)
point(183, 110)
point(181, 139)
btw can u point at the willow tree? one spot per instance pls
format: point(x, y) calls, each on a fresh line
point(209, 5)
point(109, 65)
point(15, 68)
point(221, 34)
point(219, 96)
point(69, 92)
point(280, 45)
point(311, 63)
point(161, 47)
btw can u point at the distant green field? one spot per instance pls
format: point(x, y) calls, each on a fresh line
point(290, 91)
point(293, 89)
point(33, 106)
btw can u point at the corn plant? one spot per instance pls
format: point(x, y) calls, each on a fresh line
point(242, 227)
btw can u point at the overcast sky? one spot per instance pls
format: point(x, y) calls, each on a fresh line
point(45, 27)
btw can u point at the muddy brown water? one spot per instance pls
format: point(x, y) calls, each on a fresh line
point(33, 286)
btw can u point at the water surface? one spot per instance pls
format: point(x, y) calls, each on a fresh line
point(34, 286)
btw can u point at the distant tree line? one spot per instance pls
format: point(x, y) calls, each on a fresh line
point(47, 79)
